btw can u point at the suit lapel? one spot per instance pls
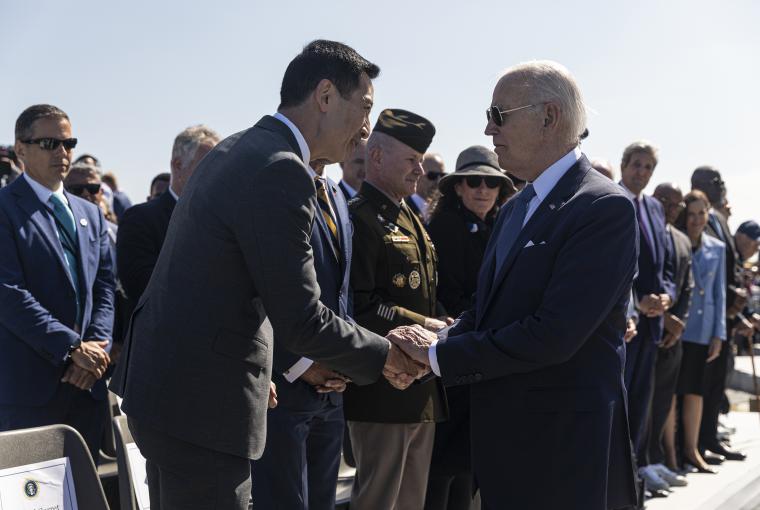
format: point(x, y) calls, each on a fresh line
point(326, 235)
point(487, 268)
point(341, 211)
point(656, 249)
point(41, 217)
point(544, 215)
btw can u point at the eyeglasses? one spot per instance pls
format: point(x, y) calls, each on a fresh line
point(51, 144)
point(473, 181)
point(498, 116)
point(433, 176)
point(78, 189)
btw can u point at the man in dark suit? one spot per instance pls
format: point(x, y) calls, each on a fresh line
point(544, 341)
point(354, 170)
point(142, 230)
point(56, 289)
point(235, 274)
point(661, 422)
point(299, 467)
point(708, 180)
point(654, 294)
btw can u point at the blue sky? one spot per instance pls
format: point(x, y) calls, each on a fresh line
point(131, 75)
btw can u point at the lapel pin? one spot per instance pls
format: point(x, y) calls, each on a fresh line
point(552, 206)
point(83, 222)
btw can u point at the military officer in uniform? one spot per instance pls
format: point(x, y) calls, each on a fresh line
point(393, 277)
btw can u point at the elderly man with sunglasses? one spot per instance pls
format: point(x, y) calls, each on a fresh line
point(56, 289)
point(542, 348)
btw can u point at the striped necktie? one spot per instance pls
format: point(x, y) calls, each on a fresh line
point(327, 211)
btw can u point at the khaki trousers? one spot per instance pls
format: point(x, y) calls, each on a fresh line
point(392, 464)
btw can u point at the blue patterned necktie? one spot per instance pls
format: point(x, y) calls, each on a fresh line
point(512, 227)
point(67, 232)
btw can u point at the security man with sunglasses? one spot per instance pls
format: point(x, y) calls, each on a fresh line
point(56, 289)
point(434, 169)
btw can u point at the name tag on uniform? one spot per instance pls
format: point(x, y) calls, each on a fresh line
point(400, 239)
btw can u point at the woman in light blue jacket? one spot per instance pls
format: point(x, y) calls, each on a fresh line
point(705, 329)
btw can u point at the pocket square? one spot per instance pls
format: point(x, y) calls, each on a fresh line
point(531, 243)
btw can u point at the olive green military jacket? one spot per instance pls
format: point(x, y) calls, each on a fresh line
point(393, 279)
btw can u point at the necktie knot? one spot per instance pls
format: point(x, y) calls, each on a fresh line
point(527, 194)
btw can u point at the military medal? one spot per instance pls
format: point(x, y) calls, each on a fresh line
point(414, 279)
point(399, 280)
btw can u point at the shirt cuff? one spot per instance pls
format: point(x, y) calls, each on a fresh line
point(298, 369)
point(433, 358)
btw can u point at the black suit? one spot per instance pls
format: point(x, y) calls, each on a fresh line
point(141, 235)
point(236, 268)
point(668, 361)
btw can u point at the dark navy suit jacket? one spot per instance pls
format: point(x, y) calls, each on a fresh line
point(543, 352)
point(37, 301)
point(656, 273)
point(333, 280)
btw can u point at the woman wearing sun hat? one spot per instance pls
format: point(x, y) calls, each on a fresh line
point(460, 226)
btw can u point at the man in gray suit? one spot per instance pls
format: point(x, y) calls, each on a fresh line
point(236, 275)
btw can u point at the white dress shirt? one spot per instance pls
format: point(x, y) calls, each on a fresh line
point(44, 193)
point(543, 185)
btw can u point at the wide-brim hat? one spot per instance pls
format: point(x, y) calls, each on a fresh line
point(475, 160)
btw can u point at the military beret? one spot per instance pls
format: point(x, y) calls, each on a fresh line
point(407, 127)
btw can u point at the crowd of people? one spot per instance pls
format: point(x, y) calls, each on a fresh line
point(183, 294)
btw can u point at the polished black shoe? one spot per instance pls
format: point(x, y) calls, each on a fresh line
point(713, 458)
point(727, 453)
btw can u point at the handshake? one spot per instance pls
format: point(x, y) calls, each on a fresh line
point(408, 355)
point(407, 359)
point(89, 362)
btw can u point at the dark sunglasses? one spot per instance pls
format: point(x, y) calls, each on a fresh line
point(473, 181)
point(51, 144)
point(78, 189)
point(498, 116)
point(433, 176)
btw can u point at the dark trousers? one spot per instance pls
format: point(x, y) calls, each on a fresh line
point(69, 406)
point(449, 492)
point(716, 373)
point(640, 359)
point(184, 476)
point(299, 468)
point(666, 370)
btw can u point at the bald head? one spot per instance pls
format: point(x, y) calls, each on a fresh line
point(671, 197)
point(604, 167)
point(433, 166)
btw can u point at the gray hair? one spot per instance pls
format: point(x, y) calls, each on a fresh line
point(549, 81)
point(643, 146)
point(187, 142)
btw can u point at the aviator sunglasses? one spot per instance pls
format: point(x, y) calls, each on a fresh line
point(498, 116)
point(51, 144)
point(473, 181)
point(78, 189)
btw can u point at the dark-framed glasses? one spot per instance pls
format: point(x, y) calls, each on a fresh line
point(51, 144)
point(498, 116)
point(473, 181)
point(433, 176)
point(78, 189)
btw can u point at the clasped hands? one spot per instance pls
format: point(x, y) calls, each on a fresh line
point(89, 362)
point(408, 355)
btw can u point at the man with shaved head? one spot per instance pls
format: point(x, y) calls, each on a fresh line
point(660, 454)
point(604, 167)
point(433, 169)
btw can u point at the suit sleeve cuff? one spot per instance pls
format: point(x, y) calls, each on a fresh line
point(298, 369)
point(433, 358)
